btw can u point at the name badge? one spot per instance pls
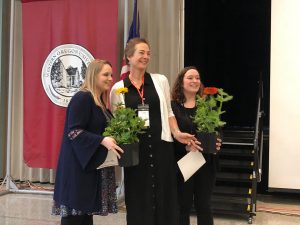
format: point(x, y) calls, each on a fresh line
point(143, 112)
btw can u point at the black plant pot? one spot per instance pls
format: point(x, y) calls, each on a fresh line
point(208, 141)
point(130, 157)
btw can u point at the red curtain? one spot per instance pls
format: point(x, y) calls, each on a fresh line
point(59, 39)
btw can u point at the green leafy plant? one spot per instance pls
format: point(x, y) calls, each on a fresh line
point(209, 109)
point(125, 126)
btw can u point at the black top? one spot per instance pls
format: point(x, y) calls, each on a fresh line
point(150, 187)
point(184, 120)
point(185, 123)
point(133, 99)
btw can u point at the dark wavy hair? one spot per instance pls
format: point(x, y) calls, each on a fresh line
point(177, 91)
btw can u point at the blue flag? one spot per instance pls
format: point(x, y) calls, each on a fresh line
point(134, 32)
point(135, 24)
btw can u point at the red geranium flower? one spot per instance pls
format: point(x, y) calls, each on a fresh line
point(210, 90)
point(209, 109)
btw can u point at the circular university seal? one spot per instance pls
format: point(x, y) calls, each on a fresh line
point(64, 71)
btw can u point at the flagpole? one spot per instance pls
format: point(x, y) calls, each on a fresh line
point(125, 22)
point(9, 104)
point(120, 189)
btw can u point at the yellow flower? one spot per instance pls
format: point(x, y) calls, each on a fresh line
point(122, 90)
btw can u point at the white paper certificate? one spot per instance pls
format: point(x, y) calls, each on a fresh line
point(111, 160)
point(190, 163)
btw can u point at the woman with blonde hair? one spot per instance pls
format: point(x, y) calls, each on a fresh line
point(81, 190)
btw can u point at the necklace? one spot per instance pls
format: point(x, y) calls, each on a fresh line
point(140, 89)
point(135, 83)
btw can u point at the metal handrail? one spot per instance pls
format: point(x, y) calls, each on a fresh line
point(258, 136)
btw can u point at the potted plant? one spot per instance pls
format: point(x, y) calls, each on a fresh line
point(208, 116)
point(124, 127)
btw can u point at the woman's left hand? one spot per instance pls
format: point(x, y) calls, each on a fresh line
point(194, 146)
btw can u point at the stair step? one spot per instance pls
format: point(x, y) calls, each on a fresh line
point(234, 177)
point(231, 199)
point(236, 152)
point(238, 137)
point(231, 204)
point(232, 191)
point(236, 164)
point(237, 141)
point(230, 209)
point(239, 133)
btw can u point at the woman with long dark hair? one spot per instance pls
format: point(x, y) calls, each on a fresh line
point(197, 189)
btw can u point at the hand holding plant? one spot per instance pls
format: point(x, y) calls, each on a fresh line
point(124, 128)
point(208, 117)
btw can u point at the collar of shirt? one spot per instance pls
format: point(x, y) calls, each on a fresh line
point(147, 80)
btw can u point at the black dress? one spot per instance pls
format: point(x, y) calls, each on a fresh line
point(198, 189)
point(150, 187)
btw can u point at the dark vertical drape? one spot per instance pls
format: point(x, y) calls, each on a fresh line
point(229, 42)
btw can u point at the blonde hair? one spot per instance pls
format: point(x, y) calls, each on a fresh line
point(89, 84)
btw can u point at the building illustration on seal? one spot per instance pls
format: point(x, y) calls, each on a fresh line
point(65, 78)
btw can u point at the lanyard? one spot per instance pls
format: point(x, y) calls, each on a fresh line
point(141, 93)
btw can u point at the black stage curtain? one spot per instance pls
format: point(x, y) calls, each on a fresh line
point(229, 42)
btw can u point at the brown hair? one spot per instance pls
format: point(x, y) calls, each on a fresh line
point(89, 84)
point(130, 47)
point(177, 91)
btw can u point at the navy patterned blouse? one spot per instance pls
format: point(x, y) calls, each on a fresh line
point(79, 187)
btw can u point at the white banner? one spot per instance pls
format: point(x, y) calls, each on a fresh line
point(284, 163)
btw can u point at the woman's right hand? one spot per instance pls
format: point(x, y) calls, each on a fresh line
point(184, 138)
point(194, 146)
point(111, 145)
